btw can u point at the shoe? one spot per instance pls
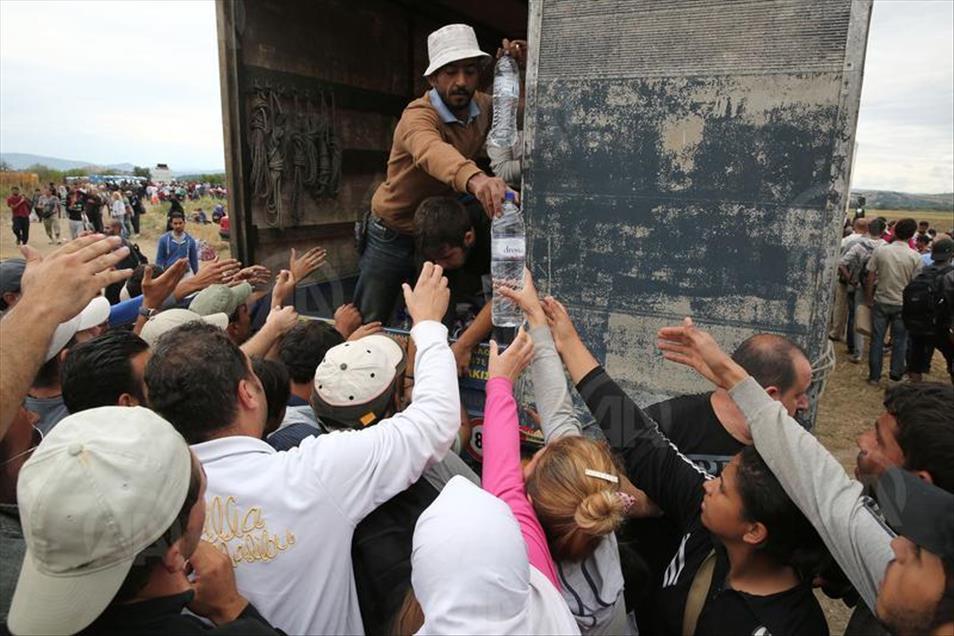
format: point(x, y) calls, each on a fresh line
point(854, 359)
point(874, 382)
point(899, 378)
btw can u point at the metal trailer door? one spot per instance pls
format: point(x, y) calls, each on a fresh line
point(692, 158)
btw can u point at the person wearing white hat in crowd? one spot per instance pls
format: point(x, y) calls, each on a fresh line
point(489, 586)
point(293, 556)
point(46, 394)
point(112, 527)
point(167, 320)
point(356, 386)
point(432, 154)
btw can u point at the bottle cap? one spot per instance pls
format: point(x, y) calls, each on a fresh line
point(510, 196)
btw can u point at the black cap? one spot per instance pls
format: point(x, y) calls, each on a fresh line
point(11, 271)
point(918, 511)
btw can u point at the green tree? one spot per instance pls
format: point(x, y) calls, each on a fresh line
point(4, 166)
point(139, 171)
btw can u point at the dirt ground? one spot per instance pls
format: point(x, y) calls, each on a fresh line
point(848, 406)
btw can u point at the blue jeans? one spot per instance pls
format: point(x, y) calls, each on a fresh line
point(387, 261)
point(881, 316)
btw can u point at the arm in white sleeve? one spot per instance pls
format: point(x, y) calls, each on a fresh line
point(550, 389)
point(363, 469)
point(857, 539)
point(503, 165)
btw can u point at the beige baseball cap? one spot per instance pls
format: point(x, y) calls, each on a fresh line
point(216, 299)
point(451, 43)
point(171, 318)
point(353, 382)
point(103, 485)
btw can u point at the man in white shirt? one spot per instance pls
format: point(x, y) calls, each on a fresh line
point(842, 302)
point(287, 518)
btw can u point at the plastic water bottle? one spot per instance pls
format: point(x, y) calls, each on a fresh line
point(503, 129)
point(508, 249)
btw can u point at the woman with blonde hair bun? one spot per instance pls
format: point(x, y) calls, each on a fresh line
point(577, 492)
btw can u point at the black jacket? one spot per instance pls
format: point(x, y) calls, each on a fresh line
point(163, 616)
point(675, 483)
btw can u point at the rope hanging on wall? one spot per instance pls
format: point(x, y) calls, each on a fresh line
point(298, 146)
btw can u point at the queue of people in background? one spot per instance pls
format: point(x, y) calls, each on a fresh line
point(903, 278)
point(167, 467)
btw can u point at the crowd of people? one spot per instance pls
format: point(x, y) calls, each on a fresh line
point(895, 276)
point(167, 467)
point(89, 206)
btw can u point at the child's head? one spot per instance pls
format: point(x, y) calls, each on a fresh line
point(573, 484)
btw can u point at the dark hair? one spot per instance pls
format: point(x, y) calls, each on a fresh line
point(304, 347)
point(925, 428)
point(876, 226)
point(175, 214)
point(770, 359)
point(50, 374)
point(153, 554)
point(274, 379)
point(927, 223)
point(905, 229)
point(791, 538)
point(193, 377)
point(134, 284)
point(440, 221)
point(98, 371)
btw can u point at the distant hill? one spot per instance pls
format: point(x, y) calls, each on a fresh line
point(887, 200)
point(21, 161)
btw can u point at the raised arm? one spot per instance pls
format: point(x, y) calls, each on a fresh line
point(811, 476)
point(363, 469)
point(652, 463)
point(55, 289)
point(502, 474)
point(551, 392)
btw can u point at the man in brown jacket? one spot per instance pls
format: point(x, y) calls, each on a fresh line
point(432, 154)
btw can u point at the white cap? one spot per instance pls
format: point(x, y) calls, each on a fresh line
point(354, 379)
point(95, 313)
point(451, 43)
point(171, 318)
point(103, 485)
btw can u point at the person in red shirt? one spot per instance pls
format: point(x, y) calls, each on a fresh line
point(20, 206)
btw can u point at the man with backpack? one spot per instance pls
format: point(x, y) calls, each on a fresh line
point(926, 314)
point(893, 266)
point(853, 268)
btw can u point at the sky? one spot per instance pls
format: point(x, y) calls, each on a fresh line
point(137, 82)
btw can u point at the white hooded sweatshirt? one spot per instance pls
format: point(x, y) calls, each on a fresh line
point(470, 571)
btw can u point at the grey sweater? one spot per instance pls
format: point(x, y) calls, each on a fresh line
point(855, 534)
point(593, 587)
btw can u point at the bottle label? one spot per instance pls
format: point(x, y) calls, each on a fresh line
point(508, 249)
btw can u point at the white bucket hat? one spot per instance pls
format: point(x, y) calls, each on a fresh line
point(451, 43)
point(102, 486)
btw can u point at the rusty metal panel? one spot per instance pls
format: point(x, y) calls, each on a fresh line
point(690, 158)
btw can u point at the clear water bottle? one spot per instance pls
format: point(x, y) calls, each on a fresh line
point(508, 249)
point(503, 129)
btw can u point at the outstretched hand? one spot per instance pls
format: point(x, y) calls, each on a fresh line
point(284, 287)
point(254, 274)
point(561, 325)
point(430, 296)
point(65, 281)
point(302, 266)
point(156, 290)
point(697, 349)
point(512, 362)
point(525, 298)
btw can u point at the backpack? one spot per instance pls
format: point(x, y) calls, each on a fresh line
point(944, 308)
point(858, 276)
point(920, 299)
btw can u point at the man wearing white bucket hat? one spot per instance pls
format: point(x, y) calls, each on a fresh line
point(432, 154)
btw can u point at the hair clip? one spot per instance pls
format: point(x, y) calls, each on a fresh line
point(627, 500)
point(600, 475)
